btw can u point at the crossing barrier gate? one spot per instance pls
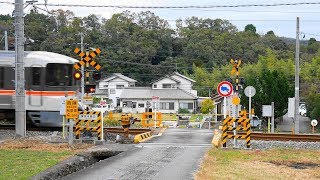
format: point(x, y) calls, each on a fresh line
point(125, 123)
point(243, 125)
point(90, 121)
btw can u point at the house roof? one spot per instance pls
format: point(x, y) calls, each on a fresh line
point(169, 77)
point(174, 79)
point(119, 75)
point(101, 91)
point(185, 77)
point(147, 93)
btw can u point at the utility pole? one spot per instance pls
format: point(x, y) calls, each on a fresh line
point(296, 82)
point(6, 40)
point(20, 112)
point(82, 69)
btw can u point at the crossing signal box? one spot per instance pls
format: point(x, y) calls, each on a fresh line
point(77, 75)
point(96, 76)
point(90, 88)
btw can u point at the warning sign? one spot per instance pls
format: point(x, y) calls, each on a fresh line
point(72, 109)
point(87, 100)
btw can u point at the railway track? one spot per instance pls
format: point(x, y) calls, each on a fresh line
point(283, 137)
point(106, 129)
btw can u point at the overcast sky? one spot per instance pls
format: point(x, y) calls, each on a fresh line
point(280, 19)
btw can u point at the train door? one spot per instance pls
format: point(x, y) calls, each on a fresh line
point(36, 86)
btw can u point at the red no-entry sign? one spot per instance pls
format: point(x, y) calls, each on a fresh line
point(224, 89)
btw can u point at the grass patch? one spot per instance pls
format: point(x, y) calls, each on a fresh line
point(24, 158)
point(23, 164)
point(260, 164)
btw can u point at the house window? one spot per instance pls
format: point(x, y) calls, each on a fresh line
point(36, 74)
point(131, 85)
point(105, 86)
point(119, 86)
point(127, 104)
point(134, 104)
point(1, 77)
point(140, 105)
point(167, 105)
point(112, 91)
point(167, 86)
point(154, 86)
point(186, 105)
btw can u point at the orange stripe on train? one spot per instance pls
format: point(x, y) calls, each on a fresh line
point(39, 93)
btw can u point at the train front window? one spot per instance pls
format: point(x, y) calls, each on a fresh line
point(58, 74)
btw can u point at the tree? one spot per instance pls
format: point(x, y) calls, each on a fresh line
point(272, 86)
point(270, 33)
point(250, 28)
point(206, 106)
point(313, 103)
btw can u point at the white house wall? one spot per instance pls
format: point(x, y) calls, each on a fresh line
point(185, 84)
point(164, 81)
point(112, 84)
point(141, 110)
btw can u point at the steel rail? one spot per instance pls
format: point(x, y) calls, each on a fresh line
point(106, 129)
point(282, 137)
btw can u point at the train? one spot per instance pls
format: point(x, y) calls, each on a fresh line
point(48, 78)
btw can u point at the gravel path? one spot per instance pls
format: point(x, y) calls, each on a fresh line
point(259, 144)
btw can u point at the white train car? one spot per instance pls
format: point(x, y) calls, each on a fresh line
point(48, 77)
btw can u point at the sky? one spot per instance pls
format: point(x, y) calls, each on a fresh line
point(280, 19)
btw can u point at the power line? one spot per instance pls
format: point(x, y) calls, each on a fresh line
point(184, 7)
point(310, 34)
point(176, 7)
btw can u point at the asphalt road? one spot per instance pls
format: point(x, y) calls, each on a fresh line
point(174, 155)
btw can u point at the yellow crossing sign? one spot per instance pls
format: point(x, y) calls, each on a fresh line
point(87, 57)
point(72, 109)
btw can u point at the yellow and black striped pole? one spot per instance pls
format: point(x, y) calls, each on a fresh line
point(224, 131)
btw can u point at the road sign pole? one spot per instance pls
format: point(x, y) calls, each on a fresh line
point(250, 115)
point(224, 107)
point(272, 117)
point(82, 69)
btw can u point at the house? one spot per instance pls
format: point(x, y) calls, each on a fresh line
point(135, 100)
point(112, 87)
point(175, 81)
point(174, 92)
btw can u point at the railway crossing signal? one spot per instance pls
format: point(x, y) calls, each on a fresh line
point(87, 58)
point(77, 75)
point(96, 76)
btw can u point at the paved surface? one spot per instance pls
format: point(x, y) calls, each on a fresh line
point(174, 155)
point(287, 124)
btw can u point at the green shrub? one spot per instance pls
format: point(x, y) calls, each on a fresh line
point(183, 111)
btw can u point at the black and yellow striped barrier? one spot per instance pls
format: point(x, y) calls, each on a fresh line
point(245, 123)
point(86, 121)
point(142, 137)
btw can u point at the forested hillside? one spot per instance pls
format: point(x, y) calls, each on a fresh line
point(145, 47)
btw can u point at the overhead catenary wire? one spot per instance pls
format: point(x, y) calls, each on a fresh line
point(184, 7)
point(175, 7)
